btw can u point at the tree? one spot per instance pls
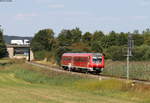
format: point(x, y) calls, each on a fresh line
point(122, 39)
point(141, 53)
point(115, 53)
point(3, 51)
point(76, 35)
point(80, 47)
point(68, 37)
point(97, 36)
point(43, 40)
point(112, 39)
point(146, 35)
point(87, 38)
point(97, 47)
point(105, 42)
point(138, 39)
point(64, 38)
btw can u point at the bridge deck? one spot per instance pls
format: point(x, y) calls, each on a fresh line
point(18, 46)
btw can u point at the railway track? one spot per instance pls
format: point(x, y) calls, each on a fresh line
point(100, 77)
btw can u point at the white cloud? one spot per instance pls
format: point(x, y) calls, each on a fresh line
point(23, 16)
point(56, 6)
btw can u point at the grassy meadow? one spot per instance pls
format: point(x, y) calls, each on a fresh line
point(23, 83)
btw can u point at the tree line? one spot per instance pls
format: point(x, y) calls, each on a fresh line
point(46, 45)
point(113, 45)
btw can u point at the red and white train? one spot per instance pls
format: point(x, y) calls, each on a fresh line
point(83, 61)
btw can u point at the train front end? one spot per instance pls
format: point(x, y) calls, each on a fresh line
point(97, 62)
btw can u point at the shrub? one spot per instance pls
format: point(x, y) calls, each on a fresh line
point(39, 55)
point(141, 53)
point(115, 53)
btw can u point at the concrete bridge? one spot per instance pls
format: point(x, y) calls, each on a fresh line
point(20, 52)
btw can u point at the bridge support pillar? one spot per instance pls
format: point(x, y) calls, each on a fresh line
point(10, 51)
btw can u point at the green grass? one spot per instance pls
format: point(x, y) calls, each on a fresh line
point(52, 79)
point(138, 70)
point(4, 62)
point(23, 83)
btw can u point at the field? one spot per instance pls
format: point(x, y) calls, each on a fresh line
point(23, 83)
point(138, 70)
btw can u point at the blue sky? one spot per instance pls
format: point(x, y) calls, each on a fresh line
point(26, 17)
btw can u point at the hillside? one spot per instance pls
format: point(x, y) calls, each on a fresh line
point(9, 38)
point(30, 84)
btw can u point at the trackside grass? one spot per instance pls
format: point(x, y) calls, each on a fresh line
point(138, 70)
point(23, 83)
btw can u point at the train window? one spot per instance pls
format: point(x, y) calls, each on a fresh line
point(66, 58)
point(78, 59)
point(97, 60)
point(83, 59)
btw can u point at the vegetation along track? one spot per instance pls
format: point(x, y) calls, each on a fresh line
point(100, 77)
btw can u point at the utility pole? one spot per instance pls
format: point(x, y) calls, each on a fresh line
point(129, 53)
point(128, 58)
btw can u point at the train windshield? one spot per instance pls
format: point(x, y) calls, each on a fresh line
point(97, 60)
